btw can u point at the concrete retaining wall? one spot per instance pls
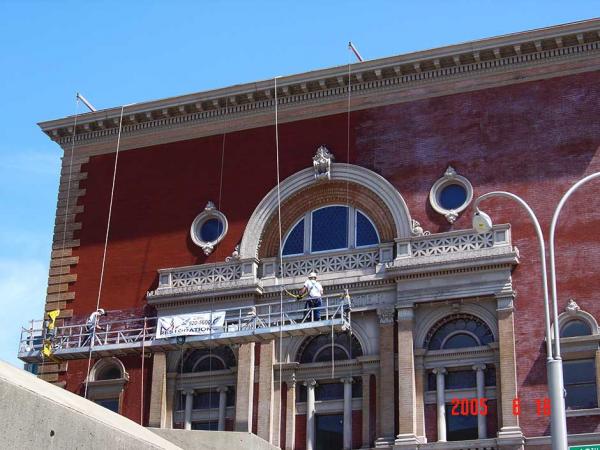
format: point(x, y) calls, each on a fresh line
point(214, 440)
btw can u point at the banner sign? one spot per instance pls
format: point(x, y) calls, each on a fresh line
point(190, 324)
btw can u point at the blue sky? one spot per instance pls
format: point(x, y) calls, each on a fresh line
point(117, 52)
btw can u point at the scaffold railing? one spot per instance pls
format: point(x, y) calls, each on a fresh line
point(259, 322)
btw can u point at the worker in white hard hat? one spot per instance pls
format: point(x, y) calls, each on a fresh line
point(92, 324)
point(314, 290)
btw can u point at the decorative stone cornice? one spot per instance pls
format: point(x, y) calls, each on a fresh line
point(204, 111)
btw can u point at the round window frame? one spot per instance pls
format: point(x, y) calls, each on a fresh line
point(450, 177)
point(210, 212)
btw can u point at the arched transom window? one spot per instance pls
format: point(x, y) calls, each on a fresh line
point(575, 327)
point(330, 228)
point(319, 348)
point(204, 360)
point(458, 331)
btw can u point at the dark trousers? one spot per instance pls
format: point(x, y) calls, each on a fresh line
point(311, 305)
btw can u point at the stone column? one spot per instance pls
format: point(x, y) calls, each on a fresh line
point(407, 398)
point(481, 422)
point(508, 368)
point(189, 402)
point(347, 412)
point(171, 398)
point(290, 415)
point(264, 427)
point(310, 414)
point(222, 390)
point(366, 411)
point(441, 402)
point(244, 388)
point(158, 391)
point(277, 419)
point(385, 391)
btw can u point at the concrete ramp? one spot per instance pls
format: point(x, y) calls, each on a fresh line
point(214, 440)
point(38, 415)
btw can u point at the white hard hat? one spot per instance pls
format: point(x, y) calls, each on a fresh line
point(312, 275)
point(101, 311)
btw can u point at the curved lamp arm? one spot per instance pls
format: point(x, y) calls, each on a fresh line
point(540, 237)
point(551, 254)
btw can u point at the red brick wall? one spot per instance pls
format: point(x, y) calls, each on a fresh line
point(300, 441)
point(431, 423)
point(534, 139)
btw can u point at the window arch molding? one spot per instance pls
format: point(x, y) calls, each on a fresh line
point(104, 366)
point(574, 312)
point(427, 322)
point(316, 345)
point(389, 197)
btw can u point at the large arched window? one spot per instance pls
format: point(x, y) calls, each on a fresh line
point(330, 228)
point(204, 360)
point(458, 331)
point(320, 349)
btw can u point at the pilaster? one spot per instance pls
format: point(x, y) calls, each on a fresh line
point(265, 391)
point(158, 391)
point(385, 391)
point(290, 415)
point(244, 388)
point(510, 429)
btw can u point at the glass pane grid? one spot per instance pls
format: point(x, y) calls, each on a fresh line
point(365, 231)
point(329, 228)
point(294, 244)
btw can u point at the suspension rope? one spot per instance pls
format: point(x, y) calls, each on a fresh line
point(110, 206)
point(281, 288)
point(142, 384)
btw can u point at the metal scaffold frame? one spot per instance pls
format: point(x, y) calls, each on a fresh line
point(243, 324)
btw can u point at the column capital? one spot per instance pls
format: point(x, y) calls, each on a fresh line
point(505, 301)
point(311, 383)
point(386, 315)
point(188, 391)
point(347, 380)
point(439, 370)
point(406, 313)
point(478, 367)
point(222, 389)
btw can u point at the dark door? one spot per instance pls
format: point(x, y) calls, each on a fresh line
point(330, 432)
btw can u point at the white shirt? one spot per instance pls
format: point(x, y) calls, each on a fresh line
point(314, 288)
point(93, 321)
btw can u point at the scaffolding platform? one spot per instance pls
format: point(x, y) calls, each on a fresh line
point(132, 336)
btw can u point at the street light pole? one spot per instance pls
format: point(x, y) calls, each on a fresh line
point(482, 223)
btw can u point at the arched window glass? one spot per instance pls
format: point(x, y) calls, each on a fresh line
point(458, 331)
point(574, 328)
point(204, 360)
point(294, 244)
point(111, 372)
point(330, 228)
point(318, 348)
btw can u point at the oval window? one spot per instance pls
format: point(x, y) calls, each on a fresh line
point(211, 230)
point(453, 196)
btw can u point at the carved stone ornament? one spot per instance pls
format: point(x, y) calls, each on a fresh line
point(210, 212)
point(572, 307)
point(235, 256)
point(386, 315)
point(322, 163)
point(417, 230)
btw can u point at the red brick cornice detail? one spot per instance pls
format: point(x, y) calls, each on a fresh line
point(321, 194)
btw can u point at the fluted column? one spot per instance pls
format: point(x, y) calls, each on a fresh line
point(290, 415)
point(385, 385)
point(481, 423)
point(222, 390)
point(441, 402)
point(189, 402)
point(310, 414)
point(347, 412)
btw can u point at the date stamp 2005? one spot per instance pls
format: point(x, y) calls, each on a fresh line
point(479, 407)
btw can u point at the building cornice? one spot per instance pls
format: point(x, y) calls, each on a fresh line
point(324, 92)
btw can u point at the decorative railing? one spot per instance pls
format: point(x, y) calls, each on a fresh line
point(244, 274)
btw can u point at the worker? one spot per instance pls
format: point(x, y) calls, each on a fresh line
point(92, 325)
point(314, 290)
